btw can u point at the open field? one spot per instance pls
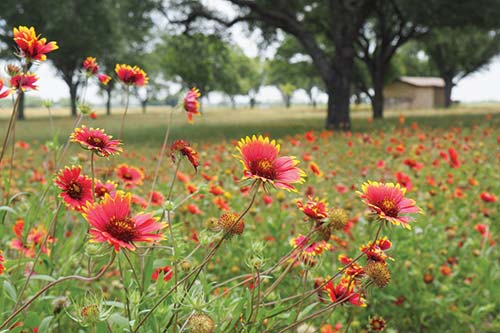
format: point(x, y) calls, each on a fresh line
point(224, 123)
point(444, 272)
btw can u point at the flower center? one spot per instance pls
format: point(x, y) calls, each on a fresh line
point(389, 208)
point(123, 230)
point(96, 142)
point(74, 190)
point(127, 176)
point(263, 168)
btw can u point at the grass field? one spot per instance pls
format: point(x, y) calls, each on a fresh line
point(224, 123)
point(444, 273)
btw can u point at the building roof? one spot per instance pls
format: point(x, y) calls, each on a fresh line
point(423, 81)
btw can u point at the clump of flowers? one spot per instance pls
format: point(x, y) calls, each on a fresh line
point(261, 161)
point(111, 221)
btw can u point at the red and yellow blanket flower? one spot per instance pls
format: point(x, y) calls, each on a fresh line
point(90, 66)
point(24, 82)
point(261, 161)
point(76, 188)
point(129, 175)
point(111, 222)
point(131, 76)
point(30, 45)
point(184, 149)
point(96, 140)
point(389, 203)
point(314, 208)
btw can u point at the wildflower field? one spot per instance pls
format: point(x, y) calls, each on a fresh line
point(281, 227)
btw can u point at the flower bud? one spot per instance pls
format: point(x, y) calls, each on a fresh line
point(231, 223)
point(379, 273)
point(200, 323)
point(337, 219)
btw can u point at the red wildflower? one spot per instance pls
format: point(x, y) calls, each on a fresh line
point(343, 292)
point(104, 79)
point(90, 66)
point(315, 169)
point(388, 202)
point(309, 136)
point(30, 45)
point(454, 162)
point(185, 149)
point(4, 93)
point(482, 229)
point(193, 209)
point(100, 189)
point(76, 188)
point(131, 75)
point(329, 329)
point(314, 208)
point(353, 269)
point(260, 160)
point(2, 260)
point(404, 180)
point(96, 140)
point(191, 103)
point(167, 273)
point(27, 246)
point(24, 82)
point(129, 175)
point(488, 197)
point(111, 222)
point(307, 251)
point(156, 198)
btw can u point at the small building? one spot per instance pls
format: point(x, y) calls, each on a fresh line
point(414, 92)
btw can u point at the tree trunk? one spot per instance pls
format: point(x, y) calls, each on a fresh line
point(233, 102)
point(288, 101)
point(109, 89)
point(448, 86)
point(339, 94)
point(72, 95)
point(20, 107)
point(252, 102)
point(378, 96)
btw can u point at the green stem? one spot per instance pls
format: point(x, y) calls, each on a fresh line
point(12, 122)
point(124, 113)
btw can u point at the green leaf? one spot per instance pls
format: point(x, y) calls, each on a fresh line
point(11, 291)
point(45, 324)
